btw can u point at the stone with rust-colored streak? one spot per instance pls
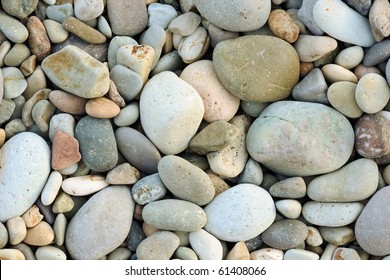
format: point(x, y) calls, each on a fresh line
point(38, 40)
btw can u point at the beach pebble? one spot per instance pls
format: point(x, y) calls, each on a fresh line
point(30, 154)
point(305, 15)
point(55, 31)
point(234, 65)
point(378, 18)
point(128, 82)
point(32, 216)
point(63, 203)
point(135, 236)
point(342, 253)
point(300, 254)
point(161, 14)
point(312, 88)
point(372, 228)
point(331, 214)
point(83, 31)
point(83, 185)
point(378, 53)
point(128, 115)
point(87, 10)
point(194, 47)
point(159, 246)
point(17, 54)
point(168, 62)
point(185, 24)
point(40, 235)
point(59, 228)
point(123, 174)
point(67, 102)
point(42, 113)
point(185, 253)
point(17, 230)
point(11, 254)
point(38, 40)
point(311, 48)
point(59, 12)
point(13, 29)
point(238, 252)
point(7, 108)
point(218, 35)
point(50, 253)
point(294, 187)
point(205, 245)
point(115, 44)
point(101, 224)
point(338, 236)
point(154, 36)
point(14, 82)
point(19, 8)
point(102, 108)
point(252, 173)
point(283, 26)
point(341, 96)
point(267, 254)
point(350, 57)
point(51, 188)
point(289, 208)
point(120, 253)
point(335, 73)
point(64, 122)
point(314, 237)
point(3, 236)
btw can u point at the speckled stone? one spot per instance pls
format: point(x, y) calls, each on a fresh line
point(341, 96)
point(135, 237)
point(338, 236)
point(294, 187)
point(123, 174)
point(38, 40)
point(159, 246)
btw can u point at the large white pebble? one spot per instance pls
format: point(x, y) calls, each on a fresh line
point(205, 245)
point(84, 185)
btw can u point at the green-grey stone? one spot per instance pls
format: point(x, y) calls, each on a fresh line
point(97, 143)
point(19, 8)
point(294, 187)
point(257, 67)
point(7, 107)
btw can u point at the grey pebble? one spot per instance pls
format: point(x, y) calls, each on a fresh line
point(120, 253)
point(155, 37)
point(362, 6)
point(254, 243)
point(147, 189)
point(378, 53)
point(115, 44)
point(59, 228)
point(252, 173)
point(338, 236)
point(294, 187)
point(312, 88)
point(7, 107)
point(128, 82)
point(14, 127)
point(253, 108)
point(59, 12)
point(305, 14)
point(135, 237)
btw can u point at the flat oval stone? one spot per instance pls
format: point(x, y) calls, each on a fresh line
point(128, 82)
point(13, 29)
point(59, 228)
point(372, 228)
point(185, 253)
point(194, 47)
point(97, 143)
point(51, 188)
point(123, 174)
point(3, 236)
point(67, 102)
point(253, 14)
point(87, 10)
point(155, 36)
point(252, 174)
point(64, 122)
point(77, 72)
point(243, 205)
point(11, 254)
point(341, 96)
point(175, 215)
point(355, 181)
point(168, 100)
point(285, 234)
point(101, 224)
point(271, 78)
point(311, 147)
point(338, 236)
point(50, 253)
point(83, 185)
point(60, 12)
point(16, 230)
point(19, 8)
point(185, 180)
point(128, 115)
point(335, 73)
point(137, 149)
point(378, 53)
point(147, 189)
point(185, 24)
point(294, 187)
point(350, 57)
point(331, 214)
point(14, 82)
point(29, 154)
point(40, 235)
point(161, 14)
point(17, 54)
point(159, 246)
point(102, 108)
point(311, 48)
point(205, 245)
point(55, 31)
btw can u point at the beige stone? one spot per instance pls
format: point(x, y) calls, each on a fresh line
point(68, 103)
point(38, 40)
point(283, 26)
point(63, 203)
point(40, 235)
point(32, 216)
point(82, 30)
point(11, 254)
point(239, 252)
point(16, 230)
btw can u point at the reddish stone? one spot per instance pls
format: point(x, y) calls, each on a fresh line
point(65, 150)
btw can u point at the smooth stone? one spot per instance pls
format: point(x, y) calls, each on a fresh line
point(218, 102)
point(159, 246)
point(14, 83)
point(97, 143)
point(378, 53)
point(372, 228)
point(388, 71)
point(262, 81)
point(135, 237)
point(50, 253)
point(28, 65)
point(154, 36)
point(341, 96)
point(168, 62)
point(283, 26)
point(252, 173)
point(194, 47)
point(372, 93)
point(114, 95)
point(345, 254)
point(331, 214)
point(32, 216)
point(59, 228)
point(175, 215)
point(128, 115)
point(138, 150)
point(285, 234)
point(185, 180)
point(102, 108)
point(30, 155)
point(168, 99)
point(185, 24)
point(42, 113)
point(350, 57)
point(299, 254)
point(268, 132)
point(35, 82)
point(17, 230)
point(38, 40)
point(83, 31)
point(230, 161)
point(14, 127)
point(64, 122)
point(267, 254)
point(362, 70)
point(362, 6)
point(312, 88)
point(104, 27)
point(127, 17)
point(60, 12)
point(205, 245)
point(338, 236)
point(305, 15)
point(19, 103)
point(120, 253)
point(87, 10)
point(83, 185)
point(253, 13)
point(161, 14)
point(5, 47)
point(294, 187)
point(128, 82)
point(65, 151)
point(11, 254)
point(185, 253)
point(68, 103)
point(289, 208)
point(63, 203)
point(17, 54)
point(105, 219)
point(241, 204)
point(19, 8)
point(238, 252)
point(51, 188)
point(12, 28)
point(25, 250)
point(378, 18)
point(55, 31)
point(328, 16)
point(123, 174)
point(89, 79)
point(149, 230)
point(3, 236)
point(311, 48)
point(115, 44)
point(254, 243)
point(147, 189)
point(184, 237)
point(314, 237)
point(40, 235)
point(252, 108)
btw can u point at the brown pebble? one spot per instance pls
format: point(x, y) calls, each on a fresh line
point(102, 108)
point(148, 229)
point(283, 26)
point(362, 70)
point(38, 40)
point(2, 137)
point(32, 216)
point(28, 65)
point(65, 151)
point(83, 31)
point(138, 212)
point(305, 68)
point(114, 95)
point(239, 252)
point(219, 184)
point(68, 103)
point(40, 235)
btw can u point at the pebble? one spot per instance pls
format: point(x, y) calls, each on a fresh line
point(350, 57)
point(128, 115)
point(240, 204)
point(283, 26)
point(28, 65)
point(346, 184)
point(5, 47)
point(218, 35)
point(267, 254)
point(119, 253)
point(67, 102)
point(3, 236)
point(102, 108)
point(128, 82)
point(338, 236)
point(154, 36)
point(104, 27)
point(289, 208)
point(175, 215)
point(84, 185)
point(14, 83)
point(378, 53)
point(238, 252)
point(115, 44)
point(305, 15)
point(59, 228)
point(87, 10)
point(161, 14)
point(123, 174)
point(38, 40)
point(253, 13)
point(388, 71)
point(138, 150)
point(299, 254)
point(14, 30)
point(331, 214)
point(11, 254)
point(63, 203)
point(159, 246)
point(185, 24)
point(114, 95)
point(101, 224)
point(275, 59)
point(135, 236)
point(40, 235)
point(335, 73)
point(252, 173)
point(83, 31)
point(7, 107)
point(17, 54)
point(311, 48)
point(371, 228)
point(341, 96)
point(31, 155)
point(50, 253)
point(185, 253)
point(14, 127)
point(312, 88)
point(55, 31)
point(17, 230)
point(345, 254)
point(64, 122)
point(59, 12)
point(205, 245)
point(32, 216)
point(294, 187)
point(314, 237)
point(219, 104)
point(378, 18)
point(97, 143)
point(127, 17)
point(169, 62)
point(42, 113)
point(328, 16)
point(194, 47)
point(87, 77)
point(19, 8)
point(51, 188)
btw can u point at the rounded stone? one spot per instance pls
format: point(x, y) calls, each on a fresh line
point(11, 254)
point(17, 54)
point(194, 47)
point(83, 31)
point(314, 237)
point(83, 185)
point(55, 31)
point(159, 246)
point(101, 224)
point(350, 57)
point(38, 40)
point(147, 189)
point(185, 253)
point(123, 174)
point(87, 10)
point(40, 235)
point(345, 254)
point(67, 102)
point(240, 213)
point(102, 108)
point(51, 188)
point(271, 78)
point(16, 230)
point(161, 14)
point(128, 82)
point(205, 245)
point(185, 24)
point(28, 154)
point(311, 48)
point(338, 236)
point(50, 253)
point(299, 144)
point(14, 82)
point(267, 254)
point(341, 96)
point(283, 26)
point(335, 73)
point(19, 8)
point(135, 237)
point(289, 208)
point(127, 115)
point(300, 254)
point(32, 216)
point(372, 228)
point(13, 29)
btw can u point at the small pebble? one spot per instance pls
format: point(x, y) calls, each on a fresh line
point(32, 216)
point(338, 236)
point(59, 228)
point(299, 254)
point(158, 246)
point(350, 57)
point(120, 253)
point(84, 185)
point(128, 115)
point(102, 108)
point(161, 14)
point(289, 208)
point(311, 48)
point(17, 54)
point(267, 254)
point(63, 203)
point(345, 254)
point(185, 253)
point(135, 237)
point(17, 230)
point(294, 187)
point(312, 88)
point(205, 245)
point(185, 24)
point(335, 73)
point(341, 96)
point(314, 237)
point(14, 83)
point(238, 252)
point(55, 31)
point(11, 254)
point(283, 26)
point(40, 235)
point(50, 253)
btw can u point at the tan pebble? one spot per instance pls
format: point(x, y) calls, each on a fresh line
point(168, 45)
point(219, 184)
point(341, 96)
point(148, 229)
point(184, 237)
point(11, 254)
point(138, 212)
point(16, 230)
point(63, 203)
point(40, 235)
point(28, 65)
point(4, 49)
point(305, 68)
point(68, 103)
point(84, 185)
point(336, 73)
point(362, 70)
point(239, 252)
point(102, 108)
point(342, 253)
point(2, 137)
point(38, 40)
point(36, 81)
point(65, 151)
point(115, 96)
point(283, 26)
point(82, 30)
point(123, 174)
point(28, 106)
point(267, 254)
point(32, 216)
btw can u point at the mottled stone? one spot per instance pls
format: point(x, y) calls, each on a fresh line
point(55, 31)
point(123, 174)
point(345, 254)
point(379, 19)
point(17, 54)
point(65, 150)
point(32, 216)
point(19, 8)
point(38, 40)
point(87, 10)
point(83, 31)
point(338, 236)
point(13, 29)
point(283, 26)
point(267, 254)
point(14, 83)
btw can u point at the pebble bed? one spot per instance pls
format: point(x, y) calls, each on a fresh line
point(195, 129)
